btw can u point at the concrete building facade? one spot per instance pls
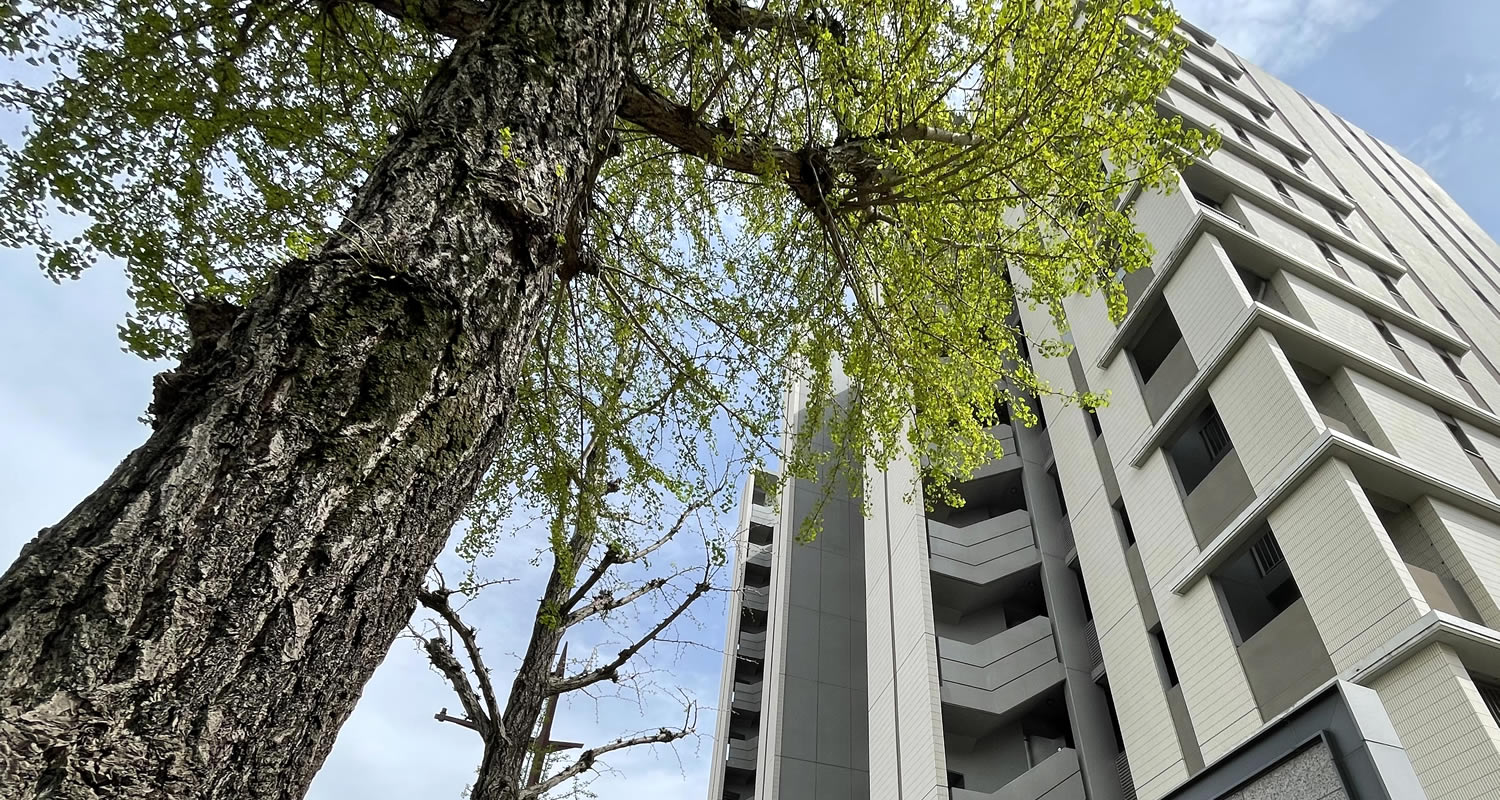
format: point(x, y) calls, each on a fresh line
point(1268, 568)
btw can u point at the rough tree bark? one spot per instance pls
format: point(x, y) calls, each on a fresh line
point(202, 624)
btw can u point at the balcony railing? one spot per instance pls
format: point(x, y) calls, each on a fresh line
point(752, 645)
point(1093, 656)
point(1127, 783)
point(1057, 777)
point(755, 597)
point(1001, 674)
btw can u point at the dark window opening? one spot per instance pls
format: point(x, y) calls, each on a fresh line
point(1286, 194)
point(1094, 425)
point(1114, 718)
point(1199, 448)
point(955, 780)
point(1296, 165)
point(1390, 286)
point(1255, 285)
point(1341, 221)
point(1244, 137)
point(1160, 337)
point(1489, 692)
point(1205, 200)
point(1062, 503)
point(1125, 526)
point(1395, 345)
point(1083, 592)
point(1256, 585)
point(1209, 89)
point(760, 534)
point(1463, 380)
point(1164, 656)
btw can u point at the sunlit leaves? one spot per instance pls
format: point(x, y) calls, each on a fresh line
point(954, 146)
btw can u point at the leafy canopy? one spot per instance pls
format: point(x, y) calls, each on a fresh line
point(806, 187)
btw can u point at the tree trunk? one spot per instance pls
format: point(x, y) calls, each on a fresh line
point(202, 624)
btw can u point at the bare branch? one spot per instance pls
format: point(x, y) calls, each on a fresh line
point(608, 602)
point(443, 660)
point(611, 671)
point(444, 716)
point(587, 758)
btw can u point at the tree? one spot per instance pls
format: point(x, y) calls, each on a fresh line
point(607, 523)
point(747, 190)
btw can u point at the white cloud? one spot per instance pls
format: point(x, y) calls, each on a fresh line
point(1279, 35)
point(1432, 147)
point(1485, 84)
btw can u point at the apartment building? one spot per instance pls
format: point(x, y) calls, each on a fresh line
point(1268, 568)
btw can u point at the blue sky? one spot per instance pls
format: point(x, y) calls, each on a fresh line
point(1421, 74)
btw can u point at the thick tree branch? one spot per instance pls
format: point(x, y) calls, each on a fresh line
point(436, 600)
point(611, 671)
point(452, 18)
point(587, 758)
point(445, 662)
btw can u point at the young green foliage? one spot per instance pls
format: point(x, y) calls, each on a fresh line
point(796, 190)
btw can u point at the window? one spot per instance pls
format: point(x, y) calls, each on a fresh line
point(1459, 435)
point(1463, 380)
point(1062, 502)
point(1244, 137)
point(1267, 555)
point(1256, 585)
point(955, 780)
point(1333, 261)
point(1093, 415)
point(1209, 89)
point(1396, 254)
point(1390, 286)
point(1160, 338)
point(1395, 345)
point(1475, 457)
point(1225, 74)
point(1164, 657)
point(1296, 165)
point(1199, 448)
point(1260, 118)
point(1490, 694)
point(1286, 196)
point(1209, 202)
point(760, 534)
point(1125, 526)
point(1254, 284)
point(1215, 438)
point(1341, 221)
point(1083, 592)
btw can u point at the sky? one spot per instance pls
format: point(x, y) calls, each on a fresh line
point(1422, 75)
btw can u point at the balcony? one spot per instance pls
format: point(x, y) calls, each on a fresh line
point(1170, 378)
point(1285, 660)
point(746, 696)
point(1444, 593)
point(742, 752)
point(983, 551)
point(1055, 778)
point(1001, 675)
point(759, 555)
point(1218, 498)
point(755, 597)
point(752, 645)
